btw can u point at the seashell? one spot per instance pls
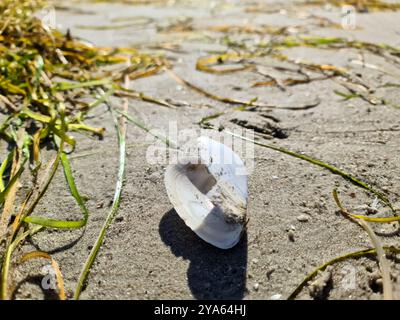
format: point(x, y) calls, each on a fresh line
point(209, 192)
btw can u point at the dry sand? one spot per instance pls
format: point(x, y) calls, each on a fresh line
point(149, 253)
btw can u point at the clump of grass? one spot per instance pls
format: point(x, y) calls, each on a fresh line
point(36, 62)
point(43, 76)
point(240, 57)
point(120, 125)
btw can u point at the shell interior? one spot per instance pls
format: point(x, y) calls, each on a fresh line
point(209, 194)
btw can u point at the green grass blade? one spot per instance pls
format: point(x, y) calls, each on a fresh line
point(64, 86)
point(114, 209)
point(204, 122)
point(102, 99)
point(63, 224)
point(3, 167)
point(72, 186)
point(53, 223)
point(356, 254)
point(14, 178)
point(64, 136)
point(321, 268)
point(377, 220)
point(38, 71)
point(384, 265)
point(322, 164)
point(36, 115)
point(142, 126)
point(7, 257)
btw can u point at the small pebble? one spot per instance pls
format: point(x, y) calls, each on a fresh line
point(368, 268)
point(302, 218)
point(100, 205)
point(255, 261)
point(269, 273)
point(277, 296)
point(256, 286)
point(291, 235)
point(154, 177)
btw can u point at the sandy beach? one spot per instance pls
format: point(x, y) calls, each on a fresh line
point(294, 224)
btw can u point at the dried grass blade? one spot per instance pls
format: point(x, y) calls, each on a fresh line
point(383, 262)
point(322, 164)
point(54, 264)
point(121, 131)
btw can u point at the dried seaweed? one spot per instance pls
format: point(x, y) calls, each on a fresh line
point(43, 75)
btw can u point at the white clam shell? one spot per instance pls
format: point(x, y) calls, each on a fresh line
point(209, 192)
